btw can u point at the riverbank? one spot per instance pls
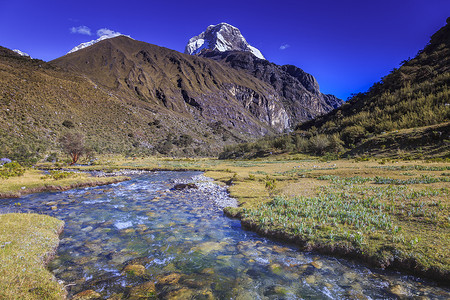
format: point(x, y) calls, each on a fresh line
point(27, 244)
point(34, 181)
point(389, 214)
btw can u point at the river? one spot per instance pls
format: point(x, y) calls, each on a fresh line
point(181, 241)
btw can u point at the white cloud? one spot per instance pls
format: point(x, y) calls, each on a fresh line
point(284, 46)
point(81, 30)
point(107, 32)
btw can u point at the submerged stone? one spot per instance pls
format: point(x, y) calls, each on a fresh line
point(134, 270)
point(170, 279)
point(87, 295)
point(317, 264)
point(143, 291)
point(209, 247)
point(183, 186)
point(399, 291)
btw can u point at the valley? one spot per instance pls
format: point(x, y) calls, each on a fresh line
point(217, 174)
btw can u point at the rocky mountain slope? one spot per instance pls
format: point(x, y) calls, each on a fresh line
point(405, 115)
point(40, 101)
point(298, 90)
point(190, 86)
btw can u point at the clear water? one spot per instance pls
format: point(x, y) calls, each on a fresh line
point(192, 251)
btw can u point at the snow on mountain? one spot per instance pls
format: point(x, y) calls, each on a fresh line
point(21, 53)
point(108, 35)
point(221, 37)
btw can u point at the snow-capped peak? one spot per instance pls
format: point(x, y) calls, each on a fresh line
point(221, 37)
point(109, 35)
point(21, 53)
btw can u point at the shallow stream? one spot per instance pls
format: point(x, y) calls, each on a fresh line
point(181, 241)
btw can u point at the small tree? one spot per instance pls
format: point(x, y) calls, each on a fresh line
point(72, 144)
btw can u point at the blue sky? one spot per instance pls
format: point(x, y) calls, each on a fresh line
point(347, 45)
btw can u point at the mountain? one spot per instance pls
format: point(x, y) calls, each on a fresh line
point(21, 53)
point(194, 87)
point(298, 90)
point(133, 97)
point(406, 114)
point(90, 43)
point(221, 37)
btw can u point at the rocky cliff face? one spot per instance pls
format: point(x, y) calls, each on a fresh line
point(297, 90)
point(221, 37)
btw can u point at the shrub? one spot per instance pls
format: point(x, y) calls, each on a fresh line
point(11, 169)
point(353, 134)
point(184, 140)
point(319, 143)
point(56, 175)
point(165, 147)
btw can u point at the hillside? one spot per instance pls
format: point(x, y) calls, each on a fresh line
point(381, 121)
point(415, 95)
point(39, 102)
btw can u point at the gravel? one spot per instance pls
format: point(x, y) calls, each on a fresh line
point(211, 191)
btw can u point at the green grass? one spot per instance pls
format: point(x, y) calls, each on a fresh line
point(35, 181)
point(385, 222)
point(26, 243)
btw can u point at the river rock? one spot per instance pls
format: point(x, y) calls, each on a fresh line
point(399, 291)
point(87, 229)
point(276, 269)
point(87, 295)
point(183, 186)
point(317, 264)
point(208, 247)
point(181, 294)
point(145, 290)
point(169, 279)
point(134, 270)
point(311, 279)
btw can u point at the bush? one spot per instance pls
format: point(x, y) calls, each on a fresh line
point(68, 123)
point(319, 143)
point(184, 140)
point(165, 147)
point(56, 175)
point(11, 169)
point(353, 134)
